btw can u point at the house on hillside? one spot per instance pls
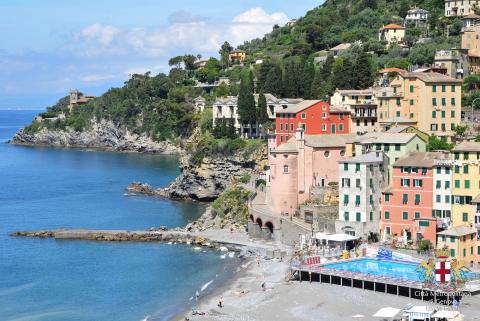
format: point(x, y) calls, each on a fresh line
point(460, 8)
point(392, 33)
point(199, 104)
point(454, 61)
point(339, 49)
point(237, 56)
point(417, 17)
point(77, 98)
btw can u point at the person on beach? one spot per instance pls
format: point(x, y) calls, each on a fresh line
point(220, 303)
point(258, 260)
point(197, 295)
point(264, 286)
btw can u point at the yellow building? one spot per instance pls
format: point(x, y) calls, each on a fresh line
point(461, 243)
point(392, 33)
point(237, 55)
point(430, 101)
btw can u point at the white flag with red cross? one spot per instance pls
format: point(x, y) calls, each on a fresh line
point(442, 272)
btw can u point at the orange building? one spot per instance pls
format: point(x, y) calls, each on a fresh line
point(407, 204)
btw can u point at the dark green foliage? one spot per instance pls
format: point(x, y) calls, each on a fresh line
point(306, 80)
point(435, 143)
point(291, 79)
point(262, 114)
point(344, 74)
point(224, 54)
point(364, 71)
point(224, 128)
point(322, 85)
point(246, 101)
point(210, 72)
point(273, 82)
point(232, 204)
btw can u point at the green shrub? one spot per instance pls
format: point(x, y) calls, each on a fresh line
point(245, 178)
point(232, 203)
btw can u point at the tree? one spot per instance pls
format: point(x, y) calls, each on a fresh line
point(460, 130)
point(189, 62)
point(262, 74)
point(225, 54)
point(273, 82)
point(262, 113)
point(210, 72)
point(291, 79)
point(176, 61)
point(306, 80)
point(322, 83)
point(364, 77)
point(403, 10)
point(246, 103)
point(435, 143)
point(343, 74)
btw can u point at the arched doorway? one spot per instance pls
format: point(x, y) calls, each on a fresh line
point(259, 222)
point(252, 218)
point(269, 225)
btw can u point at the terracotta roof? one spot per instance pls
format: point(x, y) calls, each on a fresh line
point(392, 26)
point(473, 53)
point(471, 16)
point(421, 159)
point(459, 231)
point(327, 141)
point(467, 147)
point(389, 70)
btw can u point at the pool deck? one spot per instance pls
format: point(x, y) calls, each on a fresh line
point(383, 284)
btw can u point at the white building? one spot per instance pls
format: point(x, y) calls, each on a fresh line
point(460, 7)
point(442, 189)
point(361, 181)
point(416, 16)
point(199, 104)
point(362, 105)
point(226, 107)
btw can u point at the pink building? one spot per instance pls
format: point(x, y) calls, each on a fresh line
point(407, 204)
point(301, 163)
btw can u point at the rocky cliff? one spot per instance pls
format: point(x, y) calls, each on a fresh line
point(103, 134)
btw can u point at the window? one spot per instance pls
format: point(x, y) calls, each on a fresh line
point(387, 198)
point(465, 217)
point(412, 102)
point(370, 183)
point(464, 252)
point(434, 114)
point(281, 138)
point(434, 101)
point(438, 198)
point(444, 88)
point(386, 147)
point(357, 167)
point(404, 182)
point(371, 216)
point(411, 88)
point(439, 170)
point(452, 253)
point(434, 88)
point(457, 183)
point(452, 239)
point(467, 183)
point(453, 88)
point(447, 184)
point(405, 216)
point(397, 113)
point(345, 166)
point(457, 169)
point(424, 223)
point(285, 169)
point(452, 114)
point(456, 155)
point(405, 199)
point(417, 215)
point(465, 155)
point(447, 199)
point(345, 199)
point(371, 200)
point(281, 127)
point(324, 127)
point(359, 217)
point(443, 113)
point(304, 115)
point(452, 102)
point(291, 127)
point(398, 101)
point(357, 200)
point(387, 215)
point(357, 183)
point(340, 128)
point(324, 115)
point(465, 169)
point(444, 102)
point(447, 170)
point(417, 199)
point(417, 183)
point(397, 147)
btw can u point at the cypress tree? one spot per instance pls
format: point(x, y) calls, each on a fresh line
point(273, 82)
point(262, 113)
point(246, 102)
point(262, 75)
point(306, 80)
point(343, 74)
point(364, 77)
point(291, 79)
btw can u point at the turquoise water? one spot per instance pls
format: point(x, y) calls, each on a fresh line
point(393, 269)
point(42, 188)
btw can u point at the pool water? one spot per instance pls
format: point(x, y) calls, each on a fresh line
point(393, 269)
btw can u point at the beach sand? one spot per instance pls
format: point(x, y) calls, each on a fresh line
point(245, 300)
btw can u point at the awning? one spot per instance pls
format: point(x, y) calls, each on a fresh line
point(387, 313)
point(335, 237)
point(446, 314)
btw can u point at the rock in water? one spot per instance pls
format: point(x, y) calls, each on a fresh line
point(139, 188)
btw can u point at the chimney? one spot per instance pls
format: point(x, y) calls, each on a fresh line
point(300, 137)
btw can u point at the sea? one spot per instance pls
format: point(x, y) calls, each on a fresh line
point(46, 279)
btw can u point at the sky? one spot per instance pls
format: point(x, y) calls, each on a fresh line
point(51, 46)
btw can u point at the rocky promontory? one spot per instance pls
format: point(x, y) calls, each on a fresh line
point(103, 135)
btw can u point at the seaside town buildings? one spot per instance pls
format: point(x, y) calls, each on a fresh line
point(431, 101)
point(362, 178)
point(455, 61)
point(362, 106)
point(77, 98)
point(315, 117)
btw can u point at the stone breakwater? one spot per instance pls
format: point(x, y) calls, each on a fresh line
point(131, 236)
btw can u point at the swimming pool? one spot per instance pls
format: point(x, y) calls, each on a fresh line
point(378, 267)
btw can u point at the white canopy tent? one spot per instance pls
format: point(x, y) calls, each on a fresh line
point(387, 313)
point(336, 238)
point(420, 312)
point(449, 315)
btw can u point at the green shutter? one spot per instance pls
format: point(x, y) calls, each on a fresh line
point(465, 217)
point(359, 217)
point(405, 216)
point(452, 253)
point(387, 215)
point(417, 215)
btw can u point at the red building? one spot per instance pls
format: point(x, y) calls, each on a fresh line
point(316, 117)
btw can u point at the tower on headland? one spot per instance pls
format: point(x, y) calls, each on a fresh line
point(77, 98)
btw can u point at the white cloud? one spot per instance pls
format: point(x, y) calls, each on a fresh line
point(186, 32)
point(99, 33)
point(95, 78)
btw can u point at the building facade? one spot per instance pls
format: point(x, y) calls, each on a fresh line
point(417, 16)
point(407, 204)
point(455, 61)
point(199, 104)
point(392, 33)
point(237, 56)
point(315, 117)
point(362, 106)
point(305, 161)
point(461, 243)
point(362, 178)
point(454, 8)
point(431, 101)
